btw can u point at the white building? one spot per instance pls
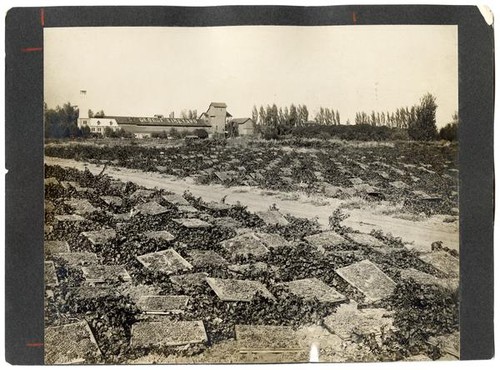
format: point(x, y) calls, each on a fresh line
point(98, 124)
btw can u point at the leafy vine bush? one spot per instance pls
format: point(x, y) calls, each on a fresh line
point(288, 167)
point(422, 311)
point(438, 246)
point(335, 219)
point(296, 229)
point(220, 317)
point(388, 239)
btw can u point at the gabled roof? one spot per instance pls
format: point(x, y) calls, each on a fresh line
point(241, 121)
point(204, 115)
point(218, 105)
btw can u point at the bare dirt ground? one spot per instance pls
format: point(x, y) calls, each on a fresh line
point(419, 234)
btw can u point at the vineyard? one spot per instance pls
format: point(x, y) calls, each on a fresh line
point(423, 177)
point(137, 275)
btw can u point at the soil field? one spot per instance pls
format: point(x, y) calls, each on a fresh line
point(296, 263)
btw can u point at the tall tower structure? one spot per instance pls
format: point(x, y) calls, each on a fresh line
point(83, 109)
point(216, 116)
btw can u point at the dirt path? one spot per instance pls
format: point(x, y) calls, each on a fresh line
point(420, 233)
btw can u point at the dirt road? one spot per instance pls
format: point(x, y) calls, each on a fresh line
point(420, 233)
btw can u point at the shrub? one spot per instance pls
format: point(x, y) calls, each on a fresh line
point(422, 311)
point(85, 130)
point(363, 132)
point(449, 132)
point(202, 134)
point(108, 132)
point(159, 135)
point(269, 133)
point(120, 133)
point(173, 133)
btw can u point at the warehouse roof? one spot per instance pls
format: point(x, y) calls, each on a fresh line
point(160, 121)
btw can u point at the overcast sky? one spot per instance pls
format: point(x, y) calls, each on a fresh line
point(142, 71)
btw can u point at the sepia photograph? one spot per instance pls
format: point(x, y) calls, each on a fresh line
point(251, 194)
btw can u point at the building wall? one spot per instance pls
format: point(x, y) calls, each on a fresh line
point(97, 125)
point(217, 119)
point(147, 131)
point(247, 128)
point(83, 121)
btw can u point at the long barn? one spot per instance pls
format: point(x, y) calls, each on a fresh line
point(143, 127)
point(213, 121)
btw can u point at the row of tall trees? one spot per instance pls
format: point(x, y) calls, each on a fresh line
point(400, 118)
point(327, 116)
point(191, 114)
point(419, 120)
point(98, 114)
point(293, 116)
point(273, 116)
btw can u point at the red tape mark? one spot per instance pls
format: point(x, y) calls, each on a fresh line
point(354, 17)
point(42, 16)
point(29, 50)
point(36, 344)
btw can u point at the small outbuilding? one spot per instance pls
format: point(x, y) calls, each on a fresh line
point(246, 126)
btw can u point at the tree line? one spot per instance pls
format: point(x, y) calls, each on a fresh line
point(185, 113)
point(191, 114)
point(273, 121)
point(327, 116)
point(400, 118)
point(419, 120)
point(61, 121)
point(98, 114)
point(293, 116)
point(273, 116)
point(450, 131)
